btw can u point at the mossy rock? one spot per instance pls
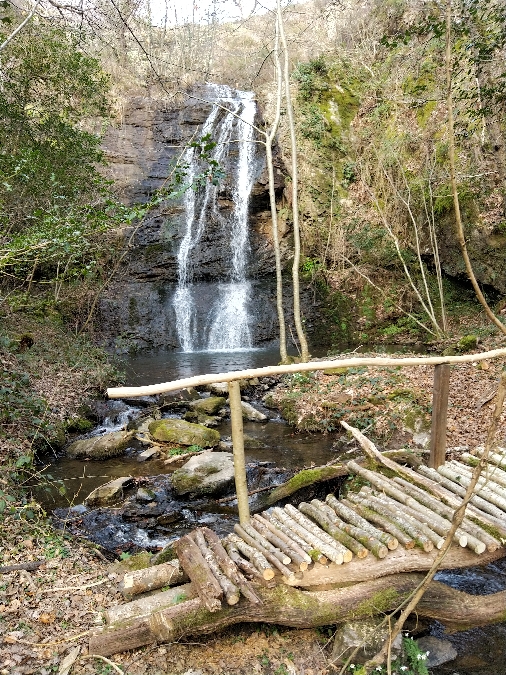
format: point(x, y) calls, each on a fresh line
point(208, 406)
point(165, 555)
point(336, 371)
point(467, 343)
point(78, 425)
point(183, 433)
point(101, 447)
point(209, 473)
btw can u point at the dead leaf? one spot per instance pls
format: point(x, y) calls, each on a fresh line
point(69, 661)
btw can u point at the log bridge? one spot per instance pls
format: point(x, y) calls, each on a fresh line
point(324, 562)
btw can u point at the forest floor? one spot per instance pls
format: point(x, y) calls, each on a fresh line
point(46, 614)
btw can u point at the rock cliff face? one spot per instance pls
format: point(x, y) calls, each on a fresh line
point(137, 310)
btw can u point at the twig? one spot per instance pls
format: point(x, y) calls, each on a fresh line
point(21, 25)
point(73, 588)
point(30, 566)
point(103, 658)
point(48, 644)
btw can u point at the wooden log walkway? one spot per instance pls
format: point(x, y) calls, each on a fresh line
point(391, 525)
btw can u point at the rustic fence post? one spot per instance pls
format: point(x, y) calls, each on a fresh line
point(241, 485)
point(439, 415)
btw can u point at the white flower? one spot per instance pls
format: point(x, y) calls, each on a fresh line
point(403, 668)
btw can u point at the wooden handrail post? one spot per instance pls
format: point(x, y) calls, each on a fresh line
point(241, 485)
point(439, 415)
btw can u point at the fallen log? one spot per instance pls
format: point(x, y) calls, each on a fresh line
point(292, 607)
point(148, 605)
point(195, 566)
point(151, 578)
point(228, 566)
point(300, 480)
point(230, 590)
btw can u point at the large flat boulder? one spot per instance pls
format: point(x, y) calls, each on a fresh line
point(183, 433)
point(209, 473)
point(100, 447)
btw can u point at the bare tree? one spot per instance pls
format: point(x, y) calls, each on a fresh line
point(295, 204)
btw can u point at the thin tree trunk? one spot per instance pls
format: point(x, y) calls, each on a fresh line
point(304, 351)
point(453, 179)
point(269, 138)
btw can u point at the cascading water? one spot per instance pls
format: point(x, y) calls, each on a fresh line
point(226, 327)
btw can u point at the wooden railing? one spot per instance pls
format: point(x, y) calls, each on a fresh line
point(439, 401)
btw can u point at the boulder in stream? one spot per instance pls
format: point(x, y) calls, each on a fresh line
point(183, 433)
point(252, 414)
point(113, 444)
point(437, 651)
point(108, 493)
point(209, 473)
point(209, 405)
point(174, 400)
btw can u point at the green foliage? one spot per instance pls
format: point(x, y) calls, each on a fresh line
point(312, 79)
point(21, 408)
point(48, 87)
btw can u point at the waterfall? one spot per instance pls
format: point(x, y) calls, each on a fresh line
point(226, 326)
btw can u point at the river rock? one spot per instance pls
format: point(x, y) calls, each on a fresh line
point(437, 651)
point(252, 414)
point(100, 447)
point(218, 388)
point(365, 634)
point(209, 473)
point(184, 433)
point(108, 493)
point(208, 406)
point(201, 418)
point(181, 398)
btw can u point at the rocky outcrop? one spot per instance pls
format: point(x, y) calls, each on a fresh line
point(137, 310)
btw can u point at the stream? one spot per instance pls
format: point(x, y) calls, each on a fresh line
point(481, 651)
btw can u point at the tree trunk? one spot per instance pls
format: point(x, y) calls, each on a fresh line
point(304, 351)
point(292, 607)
